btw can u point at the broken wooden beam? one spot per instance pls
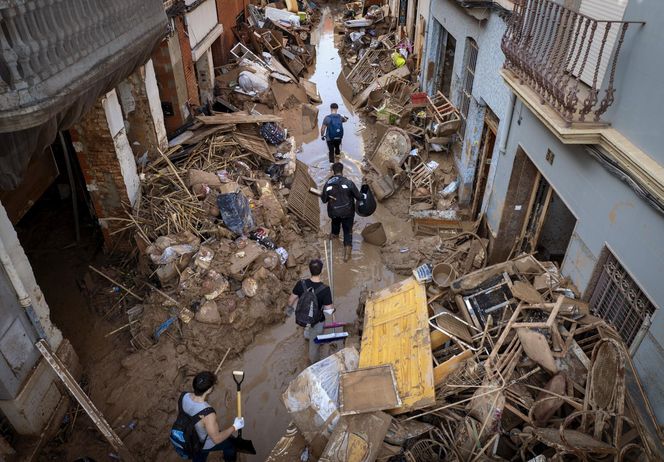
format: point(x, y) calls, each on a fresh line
point(238, 118)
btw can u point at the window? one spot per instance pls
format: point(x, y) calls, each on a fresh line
point(468, 80)
point(618, 299)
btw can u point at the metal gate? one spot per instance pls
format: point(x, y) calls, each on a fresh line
point(619, 300)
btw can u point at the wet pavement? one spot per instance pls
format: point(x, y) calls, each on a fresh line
point(278, 353)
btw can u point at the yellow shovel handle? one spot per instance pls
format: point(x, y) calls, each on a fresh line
point(239, 403)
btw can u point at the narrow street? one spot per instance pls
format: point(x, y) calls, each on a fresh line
point(161, 176)
point(279, 354)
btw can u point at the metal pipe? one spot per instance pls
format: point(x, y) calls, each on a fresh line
point(72, 185)
point(21, 293)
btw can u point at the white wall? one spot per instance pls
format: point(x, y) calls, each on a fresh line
point(201, 21)
point(609, 213)
point(123, 149)
point(154, 101)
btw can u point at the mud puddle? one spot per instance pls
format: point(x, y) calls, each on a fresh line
point(278, 354)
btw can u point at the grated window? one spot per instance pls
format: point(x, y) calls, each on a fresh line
point(468, 81)
point(618, 300)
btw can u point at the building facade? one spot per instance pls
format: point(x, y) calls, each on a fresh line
point(560, 150)
point(462, 59)
point(581, 178)
point(84, 82)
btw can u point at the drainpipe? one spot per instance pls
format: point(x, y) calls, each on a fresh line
point(23, 297)
point(502, 149)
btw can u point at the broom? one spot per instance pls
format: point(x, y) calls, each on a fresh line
point(334, 336)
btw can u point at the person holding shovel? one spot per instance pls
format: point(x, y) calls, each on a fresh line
point(207, 428)
point(311, 300)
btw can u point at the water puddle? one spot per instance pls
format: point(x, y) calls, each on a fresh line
point(278, 353)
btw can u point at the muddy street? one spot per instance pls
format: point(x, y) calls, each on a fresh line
point(278, 354)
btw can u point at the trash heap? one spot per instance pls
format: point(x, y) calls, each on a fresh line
point(409, 149)
point(218, 250)
point(512, 366)
point(265, 75)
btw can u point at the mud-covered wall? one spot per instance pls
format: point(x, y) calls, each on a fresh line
point(609, 214)
point(489, 88)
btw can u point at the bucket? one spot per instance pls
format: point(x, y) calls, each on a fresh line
point(444, 274)
point(374, 234)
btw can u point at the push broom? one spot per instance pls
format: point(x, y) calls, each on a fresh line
point(334, 336)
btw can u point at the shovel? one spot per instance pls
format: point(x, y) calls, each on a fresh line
point(241, 445)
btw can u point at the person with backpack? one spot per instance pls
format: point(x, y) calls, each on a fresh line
point(195, 433)
point(332, 131)
point(340, 194)
point(311, 300)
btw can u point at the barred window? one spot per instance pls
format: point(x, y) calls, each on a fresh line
point(618, 300)
point(468, 81)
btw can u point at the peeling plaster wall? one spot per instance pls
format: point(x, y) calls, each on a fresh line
point(488, 87)
point(609, 214)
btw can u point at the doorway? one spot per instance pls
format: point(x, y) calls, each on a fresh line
point(487, 144)
point(534, 217)
point(439, 72)
point(549, 225)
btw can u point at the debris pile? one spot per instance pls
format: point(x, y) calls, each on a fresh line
point(213, 230)
point(512, 367)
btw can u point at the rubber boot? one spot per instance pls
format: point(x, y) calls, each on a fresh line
point(333, 237)
point(347, 251)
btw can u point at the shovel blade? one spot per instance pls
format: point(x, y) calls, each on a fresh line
point(244, 446)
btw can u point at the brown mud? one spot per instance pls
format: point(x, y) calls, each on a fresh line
point(143, 386)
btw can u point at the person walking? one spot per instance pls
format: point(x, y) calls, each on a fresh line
point(210, 437)
point(311, 300)
point(332, 131)
point(340, 194)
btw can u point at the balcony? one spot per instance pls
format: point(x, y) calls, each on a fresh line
point(57, 57)
point(567, 59)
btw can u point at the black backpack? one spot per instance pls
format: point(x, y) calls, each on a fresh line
point(307, 311)
point(183, 435)
point(343, 204)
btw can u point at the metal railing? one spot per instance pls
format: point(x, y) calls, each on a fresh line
point(565, 56)
point(40, 39)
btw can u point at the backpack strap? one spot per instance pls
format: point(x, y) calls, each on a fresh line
point(180, 409)
point(320, 289)
point(207, 411)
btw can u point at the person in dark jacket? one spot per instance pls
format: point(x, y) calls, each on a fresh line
point(332, 131)
point(340, 194)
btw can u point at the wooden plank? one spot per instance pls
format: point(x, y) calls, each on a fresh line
point(441, 371)
point(238, 118)
point(90, 409)
point(368, 390)
point(396, 332)
point(200, 134)
point(254, 144)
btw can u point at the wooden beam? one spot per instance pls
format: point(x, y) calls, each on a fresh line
point(238, 118)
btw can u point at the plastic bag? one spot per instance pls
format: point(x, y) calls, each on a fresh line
point(273, 133)
point(252, 82)
point(397, 59)
point(366, 206)
point(235, 212)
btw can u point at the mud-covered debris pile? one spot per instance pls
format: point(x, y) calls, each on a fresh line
point(517, 368)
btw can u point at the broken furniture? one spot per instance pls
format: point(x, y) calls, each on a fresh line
point(300, 202)
point(368, 390)
point(396, 332)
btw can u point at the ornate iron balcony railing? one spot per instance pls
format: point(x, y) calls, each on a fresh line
point(49, 46)
point(565, 56)
point(57, 57)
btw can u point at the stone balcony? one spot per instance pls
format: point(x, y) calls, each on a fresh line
point(57, 57)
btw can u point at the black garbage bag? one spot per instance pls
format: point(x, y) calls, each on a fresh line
point(236, 212)
point(366, 206)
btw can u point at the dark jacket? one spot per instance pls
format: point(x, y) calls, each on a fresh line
point(345, 194)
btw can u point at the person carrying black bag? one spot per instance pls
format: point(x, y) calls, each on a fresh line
point(340, 194)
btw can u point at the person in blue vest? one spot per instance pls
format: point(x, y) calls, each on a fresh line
point(332, 131)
